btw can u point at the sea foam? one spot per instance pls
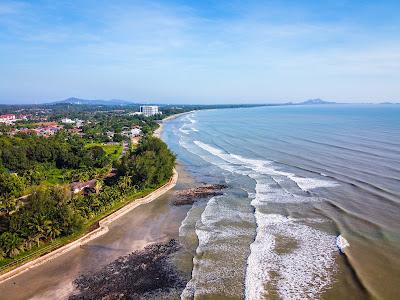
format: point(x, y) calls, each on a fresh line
point(265, 167)
point(301, 271)
point(304, 269)
point(221, 224)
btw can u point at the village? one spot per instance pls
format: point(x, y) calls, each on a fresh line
point(43, 123)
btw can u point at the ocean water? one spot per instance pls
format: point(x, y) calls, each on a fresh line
point(297, 176)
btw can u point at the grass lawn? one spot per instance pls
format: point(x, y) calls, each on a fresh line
point(55, 176)
point(112, 150)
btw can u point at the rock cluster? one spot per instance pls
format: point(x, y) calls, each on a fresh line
point(189, 196)
point(135, 276)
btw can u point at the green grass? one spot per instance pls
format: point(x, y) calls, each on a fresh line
point(55, 176)
point(112, 150)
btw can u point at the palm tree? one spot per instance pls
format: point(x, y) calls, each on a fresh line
point(36, 225)
point(2, 254)
point(36, 239)
point(11, 244)
point(125, 183)
point(98, 185)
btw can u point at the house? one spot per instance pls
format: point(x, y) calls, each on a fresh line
point(47, 130)
point(22, 117)
point(78, 123)
point(77, 131)
point(77, 187)
point(67, 121)
point(110, 134)
point(134, 132)
point(7, 119)
point(136, 113)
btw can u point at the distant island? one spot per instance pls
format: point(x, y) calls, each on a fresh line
point(315, 101)
point(390, 103)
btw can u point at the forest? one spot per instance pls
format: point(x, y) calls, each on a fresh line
point(28, 160)
point(52, 211)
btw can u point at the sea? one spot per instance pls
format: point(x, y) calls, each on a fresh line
point(297, 177)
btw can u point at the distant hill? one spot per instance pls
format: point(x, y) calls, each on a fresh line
point(78, 101)
point(315, 101)
point(389, 103)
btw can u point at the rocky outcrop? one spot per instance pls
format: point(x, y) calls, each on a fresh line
point(140, 274)
point(189, 196)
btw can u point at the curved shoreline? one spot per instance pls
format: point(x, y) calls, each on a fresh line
point(99, 231)
point(159, 130)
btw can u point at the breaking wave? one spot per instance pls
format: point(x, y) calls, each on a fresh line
point(306, 268)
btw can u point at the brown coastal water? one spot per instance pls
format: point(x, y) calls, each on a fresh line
point(154, 222)
point(298, 177)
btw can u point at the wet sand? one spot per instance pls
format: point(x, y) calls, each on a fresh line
point(157, 221)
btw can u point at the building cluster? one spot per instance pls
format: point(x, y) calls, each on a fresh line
point(39, 125)
point(45, 129)
point(127, 132)
point(131, 132)
point(10, 119)
point(78, 123)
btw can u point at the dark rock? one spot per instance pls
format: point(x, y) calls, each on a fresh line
point(190, 196)
point(131, 277)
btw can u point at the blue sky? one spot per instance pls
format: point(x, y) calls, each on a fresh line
point(200, 51)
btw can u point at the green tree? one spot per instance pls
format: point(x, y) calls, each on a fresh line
point(11, 186)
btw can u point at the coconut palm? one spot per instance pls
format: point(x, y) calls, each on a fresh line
point(125, 183)
point(11, 244)
point(98, 186)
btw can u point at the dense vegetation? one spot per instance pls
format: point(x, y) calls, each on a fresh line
point(29, 160)
point(103, 122)
point(53, 211)
point(37, 200)
point(150, 164)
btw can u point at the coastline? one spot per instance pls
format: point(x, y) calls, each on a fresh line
point(102, 224)
point(159, 130)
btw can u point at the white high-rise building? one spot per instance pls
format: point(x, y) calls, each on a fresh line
point(148, 110)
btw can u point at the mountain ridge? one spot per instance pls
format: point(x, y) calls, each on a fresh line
point(80, 101)
point(316, 101)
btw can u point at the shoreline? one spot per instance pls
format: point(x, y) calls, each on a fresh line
point(102, 227)
point(157, 133)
